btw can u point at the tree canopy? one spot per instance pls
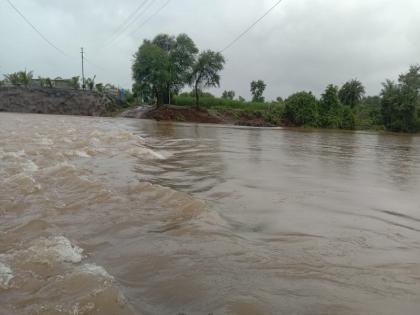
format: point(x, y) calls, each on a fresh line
point(228, 95)
point(301, 109)
point(162, 66)
point(401, 102)
point(257, 91)
point(330, 108)
point(205, 72)
point(351, 93)
point(20, 78)
point(150, 70)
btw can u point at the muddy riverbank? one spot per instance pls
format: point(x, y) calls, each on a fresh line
point(202, 115)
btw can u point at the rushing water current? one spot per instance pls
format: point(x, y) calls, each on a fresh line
point(115, 216)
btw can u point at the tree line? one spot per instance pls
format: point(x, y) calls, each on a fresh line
point(165, 65)
point(26, 78)
point(397, 108)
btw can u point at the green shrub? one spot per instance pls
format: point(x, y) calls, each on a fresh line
point(274, 115)
point(348, 121)
point(215, 102)
point(301, 109)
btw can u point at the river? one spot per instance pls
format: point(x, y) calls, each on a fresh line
point(118, 216)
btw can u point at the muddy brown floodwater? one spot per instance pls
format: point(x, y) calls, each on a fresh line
point(116, 216)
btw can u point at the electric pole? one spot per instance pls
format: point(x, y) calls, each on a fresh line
point(83, 69)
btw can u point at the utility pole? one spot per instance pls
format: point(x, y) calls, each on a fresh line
point(83, 69)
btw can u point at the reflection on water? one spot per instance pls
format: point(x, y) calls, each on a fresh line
point(394, 153)
point(103, 216)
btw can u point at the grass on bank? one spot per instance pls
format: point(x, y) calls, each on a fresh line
point(365, 116)
point(271, 112)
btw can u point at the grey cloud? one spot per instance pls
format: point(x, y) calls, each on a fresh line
point(302, 45)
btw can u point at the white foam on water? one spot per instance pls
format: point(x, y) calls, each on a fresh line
point(156, 155)
point(81, 154)
point(96, 133)
point(30, 167)
point(24, 183)
point(77, 309)
point(95, 270)
point(58, 248)
point(59, 167)
point(95, 142)
point(46, 141)
point(66, 140)
point(6, 275)
point(12, 155)
point(145, 152)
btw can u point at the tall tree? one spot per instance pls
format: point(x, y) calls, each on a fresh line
point(257, 91)
point(182, 57)
point(228, 95)
point(181, 52)
point(172, 59)
point(330, 108)
point(279, 99)
point(164, 41)
point(351, 93)
point(411, 79)
point(401, 101)
point(205, 72)
point(399, 107)
point(150, 70)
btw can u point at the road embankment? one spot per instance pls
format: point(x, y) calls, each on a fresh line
point(53, 101)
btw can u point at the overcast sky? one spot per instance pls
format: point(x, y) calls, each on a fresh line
point(301, 45)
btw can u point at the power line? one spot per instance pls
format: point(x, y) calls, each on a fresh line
point(94, 64)
point(46, 39)
point(130, 17)
point(36, 30)
point(134, 21)
point(153, 15)
point(130, 20)
point(251, 27)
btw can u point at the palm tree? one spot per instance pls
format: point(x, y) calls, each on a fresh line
point(90, 83)
point(20, 78)
point(351, 93)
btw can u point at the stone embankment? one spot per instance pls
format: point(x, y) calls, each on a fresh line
point(53, 101)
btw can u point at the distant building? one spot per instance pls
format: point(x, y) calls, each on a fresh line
point(6, 83)
point(63, 84)
point(58, 83)
point(111, 90)
point(36, 83)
